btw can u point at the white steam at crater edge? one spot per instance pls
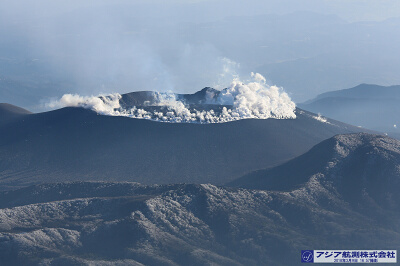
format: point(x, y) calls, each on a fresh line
point(254, 99)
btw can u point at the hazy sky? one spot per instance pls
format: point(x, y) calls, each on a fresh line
point(49, 48)
point(347, 9)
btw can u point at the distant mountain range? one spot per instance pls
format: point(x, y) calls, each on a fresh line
point(76, 144)
point(370, 106)
point(363, 91)
point(343, 194)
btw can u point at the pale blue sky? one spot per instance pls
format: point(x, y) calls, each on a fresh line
point(49, 48)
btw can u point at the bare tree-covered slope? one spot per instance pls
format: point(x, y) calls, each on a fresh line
point(361, 167)
point(130, 224)
point(344, 195)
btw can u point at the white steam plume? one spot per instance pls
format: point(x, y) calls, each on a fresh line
point(100, 104)
point(254, 99)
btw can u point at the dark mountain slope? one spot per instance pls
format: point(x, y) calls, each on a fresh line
point(9, 112)
point(78, 144)
point(361, 167)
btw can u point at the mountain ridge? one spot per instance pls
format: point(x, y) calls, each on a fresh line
point(70, 144)
point(360, 166)
point(115, 223)
point(184, 223)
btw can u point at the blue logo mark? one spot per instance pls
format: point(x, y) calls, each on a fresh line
point(307, 256)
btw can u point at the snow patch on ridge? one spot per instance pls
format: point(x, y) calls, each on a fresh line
point(321, 119)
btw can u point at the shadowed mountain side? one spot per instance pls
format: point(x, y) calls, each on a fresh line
point(361, 167)
point(9, 112)
point(127, 224)
point(77, 144)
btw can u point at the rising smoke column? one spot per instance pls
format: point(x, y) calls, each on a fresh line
point(254, 99)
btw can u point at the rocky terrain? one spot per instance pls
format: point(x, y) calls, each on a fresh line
point(339, 201)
